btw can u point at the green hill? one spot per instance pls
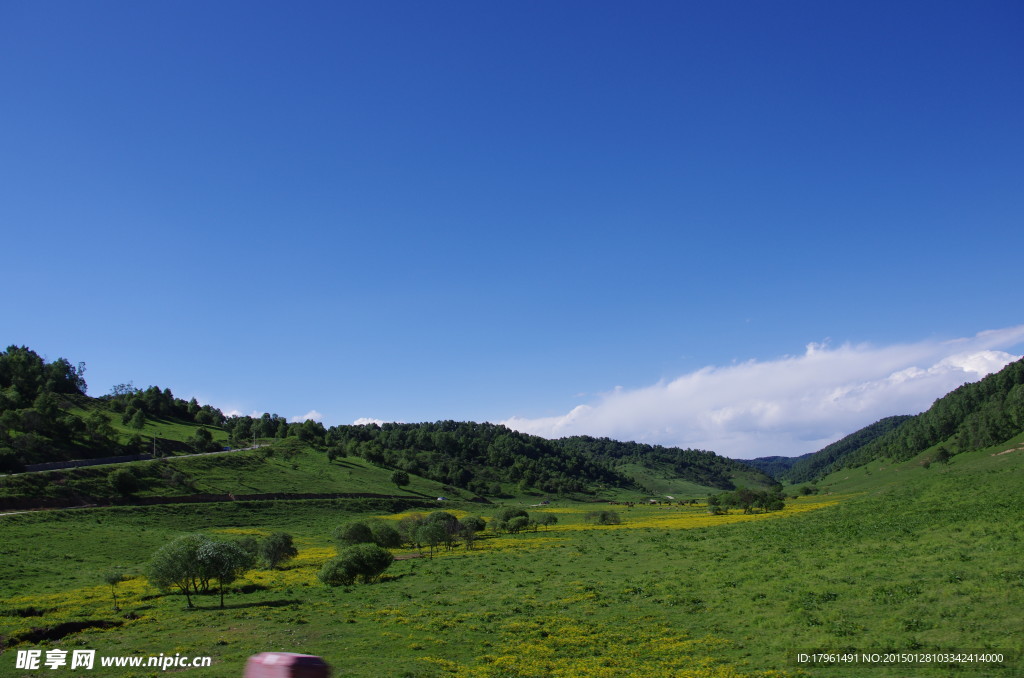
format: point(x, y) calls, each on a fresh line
point(973, 416)
point(46, 416)
point(494, 460)
point(285, 468)
point(811, 466)
point(46, 419)
point(669, 470)
point(776, 466)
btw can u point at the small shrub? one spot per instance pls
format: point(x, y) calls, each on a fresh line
point(353, 533)
point(363, 561)
point(335, 573)
point(123, 481)
point(604, 517)
point(277, 549)
point(517, 524)
point(473, 524)
point(507, 514)
point(385, 536)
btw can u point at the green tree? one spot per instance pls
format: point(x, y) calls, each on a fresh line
point(123, 481)
point(473, 524)
point(507, 514)
point(547, 519)
point(449, 523)
point(335, 572)
point(251, 546)
point(138, 420)
point(113, 577)
point(311, 432)
point(367, 561)
point(407, 527)
point(400, 478)
point(353, 533)
point(98, 426)
point(223, 561)
point(469, 527)
point(384, 535)
point(202, 441)
point(517, 524)
point(430, 534)
point(177, 564)
point(277, 549)
point(603, 517)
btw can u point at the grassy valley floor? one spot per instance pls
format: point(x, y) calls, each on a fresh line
point(928, 563)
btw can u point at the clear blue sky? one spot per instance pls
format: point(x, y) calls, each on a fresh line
point(417, 211)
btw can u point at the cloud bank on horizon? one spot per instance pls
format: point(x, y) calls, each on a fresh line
point(787, 406)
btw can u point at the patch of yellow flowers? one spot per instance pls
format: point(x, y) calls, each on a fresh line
point(560, 647)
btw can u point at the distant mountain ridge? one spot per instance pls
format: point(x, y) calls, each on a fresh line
point(829, 458)
point(775, 467)
point(481, 457)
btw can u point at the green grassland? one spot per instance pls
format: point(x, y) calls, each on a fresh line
point(895, 557)
point(160, 428)
point(283, 467)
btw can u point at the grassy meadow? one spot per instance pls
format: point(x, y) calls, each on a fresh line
point(282, 468)
point(893, 558)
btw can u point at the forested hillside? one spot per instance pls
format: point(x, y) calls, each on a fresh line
point(775, 467)
point(36, 422)
point(831, 457)
point(698, 466)
point(483, 458)
point(490, 458)
point(45, 415)
point(975, 415)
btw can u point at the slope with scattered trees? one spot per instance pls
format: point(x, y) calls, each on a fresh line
point(973, 416)
point(775, 467)
point(478, 457)
point(700, 467)
point(835, 456)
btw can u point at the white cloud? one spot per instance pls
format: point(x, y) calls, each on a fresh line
point(312, 414)
point(787, 406)
point(362, 421)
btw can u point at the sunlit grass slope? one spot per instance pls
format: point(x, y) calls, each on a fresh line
point(285, 467)
point(162, 429)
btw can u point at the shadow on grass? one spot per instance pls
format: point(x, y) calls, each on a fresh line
point(265, 603)
point(386, 578)
point(345, 464)
point(420, 494)
point(241, 606)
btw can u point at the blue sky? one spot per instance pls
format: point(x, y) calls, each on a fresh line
point(508, 211)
